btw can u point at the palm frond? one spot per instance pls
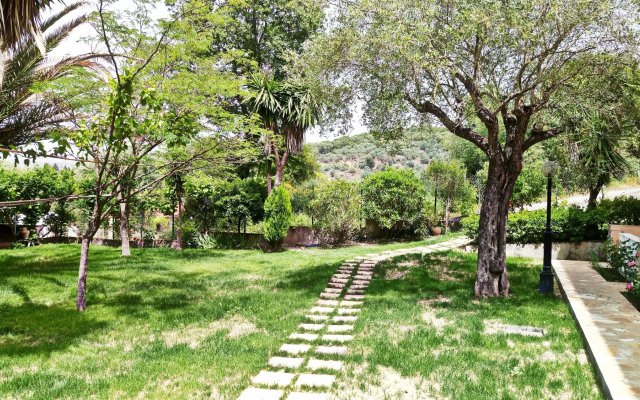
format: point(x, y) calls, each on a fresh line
point(19, 18)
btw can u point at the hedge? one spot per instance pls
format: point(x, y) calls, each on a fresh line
point(569, 224)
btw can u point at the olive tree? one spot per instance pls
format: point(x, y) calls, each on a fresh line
point(488, 71)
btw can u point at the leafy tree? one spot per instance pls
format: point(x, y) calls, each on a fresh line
point(491, 72)
point(277, 217)
point(287, 110)
point(394, 198)
point(448, 181)
point(336, 211)
point(25, 70)
point(242, 200)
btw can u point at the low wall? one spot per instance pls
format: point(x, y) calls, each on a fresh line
point(581, 251)
point(300, 236)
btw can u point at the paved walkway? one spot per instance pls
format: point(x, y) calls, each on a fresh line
point(308, 364)
point(609, 324)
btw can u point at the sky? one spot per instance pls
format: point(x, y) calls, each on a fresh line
point(74, 45)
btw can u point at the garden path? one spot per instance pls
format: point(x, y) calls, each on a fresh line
point(609, 324)
point(310, 361)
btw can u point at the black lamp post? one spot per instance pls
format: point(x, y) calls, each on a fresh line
point(546, 275)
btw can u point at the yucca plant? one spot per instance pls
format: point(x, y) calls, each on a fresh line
point(287, 110)
point(24, 115)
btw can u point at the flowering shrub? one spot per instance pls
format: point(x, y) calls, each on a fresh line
point(622, 257)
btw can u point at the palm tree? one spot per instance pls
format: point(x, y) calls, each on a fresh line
point(24, 115)
point(287, 110)
point(20, 18)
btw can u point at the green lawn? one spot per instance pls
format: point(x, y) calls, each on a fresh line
point(422, 336)
point(161, 324)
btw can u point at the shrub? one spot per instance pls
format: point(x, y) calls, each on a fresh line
point(205, 241)
point(394, 198)
point(277, 217)
point(336, 210)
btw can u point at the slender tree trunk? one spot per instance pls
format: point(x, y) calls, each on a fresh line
point(124, 229)
point(81, 300)
point(280, 164)
point(177, 243)
point(269, 183)
point(447, 208)
point(493, 278)
point(594, 191)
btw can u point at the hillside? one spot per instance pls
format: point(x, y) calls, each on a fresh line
point(355, 156)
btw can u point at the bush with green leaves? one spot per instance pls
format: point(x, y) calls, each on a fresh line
point(277, 217)
point(394, 199)
point(336, 211)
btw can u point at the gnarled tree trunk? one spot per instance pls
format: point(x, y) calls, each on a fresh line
point(492, 278)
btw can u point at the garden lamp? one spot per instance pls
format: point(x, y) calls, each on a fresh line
point(549, 169)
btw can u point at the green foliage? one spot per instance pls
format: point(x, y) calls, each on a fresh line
point(569, 224)
point(277, 217)
point(336, 211)
point(206, 241)
point(394, 199)
point(447, 180)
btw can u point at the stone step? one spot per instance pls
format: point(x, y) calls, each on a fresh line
point(348, 311)
point(285, 362)
point(336, 350)
point(330, 303)
point(359, 287)
point(311, 327)
point(317, 318)
point(339, 328)
point(349, 303)
point(355, 291)
point(326, 295)
point(362, 278)
point(332, 290)
point(354, 297)
point(295, 348)
point(347, 319)
point(309, 337)
point(316, 364)
point(307, 396)
point(337, 338)
point(339, 280)
point(261, 394)
point(341, 276)
point(336, 285)
point(321, 310)
point(271, 378)
point(315, 380)
point(360, 282)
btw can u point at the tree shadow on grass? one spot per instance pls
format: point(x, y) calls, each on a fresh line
point(38, 329)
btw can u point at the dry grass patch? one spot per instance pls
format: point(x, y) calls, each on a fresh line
point(193, 335)
point(387, 384)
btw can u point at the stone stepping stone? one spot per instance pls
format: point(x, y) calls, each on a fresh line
point(337, 338)
point(333, 290)
point(345, 271)
point(295, 348)
point(309, 337)
point(365, 273)
point(336, 350)
point(307, 396)
point(270, 378)
point(341, 276)
point(336, 285)
point(348, 311)
point(362, 277)
point(330, 303)
point(339, 328)
point(349, 303)
point(359, 287)
point(354, 297)
point(344, 319)
point(315, 364)
point(322, 310)
point(311, 327)
point(317, 318)
point(360, 282)
point(261, 394)
point(285, 362)
point(315, 380)
point(355, 291)
point(326, 295)
point(339, 280)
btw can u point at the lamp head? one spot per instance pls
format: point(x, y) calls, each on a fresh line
point(549, 169)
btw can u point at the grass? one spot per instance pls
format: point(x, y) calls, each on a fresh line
point(160, 324)
point(422, 336)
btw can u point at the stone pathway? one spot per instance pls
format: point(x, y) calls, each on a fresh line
point(609, 324)
point(308, 364)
